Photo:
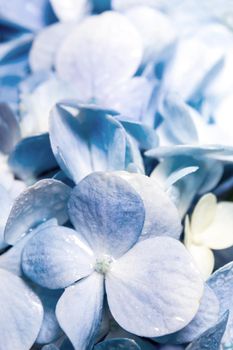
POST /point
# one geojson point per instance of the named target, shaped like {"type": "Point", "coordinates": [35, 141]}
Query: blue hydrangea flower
{"type": "Point", "coordinates": [102, 253]}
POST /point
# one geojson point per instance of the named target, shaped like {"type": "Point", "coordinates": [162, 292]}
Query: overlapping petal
{"type": "Point", "coordinates": [90, 141]}
{"type": "Point", "coordinates": [158, 222]}
{"type": "Point", "coordinates": [155, 288]}
{"type": "Point", "coordinates": [45, 200]}
{"type": "Point", "coordinates": [114, 50]}
{"type": "Point", "coordinates": [108, 213]}
{"type": "Point", "coordinates": [211, 339]}
{"type": "Point", "coordinates": [79, 311]}
{"type": "Point", "coordinates": [56, 257]}
{"type": "Point", "coordinates": [206, 317]}
{"type": "Point", "coordinates": [21, 313]}
{"type": "Point", "coordinates": [221, 283]}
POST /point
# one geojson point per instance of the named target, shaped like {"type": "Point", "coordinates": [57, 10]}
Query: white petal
{"type": "Point", "coordinates": [69, 10]}
{"type": "Point", "coordinates": [101, 53]}
{"type": "Point", "coordinates": [35, 120]}
{"type": "Point", "coordinates": [156, 29]}
{"type": "Point", "coordinates": [45, 45]}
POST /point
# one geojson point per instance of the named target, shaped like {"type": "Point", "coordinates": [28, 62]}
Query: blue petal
{"type": "Point", "coordinates": [107, 212]}
{"type": "Point", "coordinates": [21, 313]}
{"type": "Point", "coordinates": [158, 222]}
{"type": "Point", "coordinates": [5, 204]}
{"type": "Point", "coordinates": [155, 288]}
{"type": "Point", "coordinates": [144, 135]}
{"type": "Point", "coordinates": [202, 151]}
{"type": "Point", "coordinates": [221, 282]}
{"type": "Point", "coordinates": [55, 258]}
{"type": "Point", "coordinates": [50, 329]}
{"type": "Point", "coordinates": [115, 344]}
{"type": "Point", "coordinates": [10, 76]}
{"type": "Point", "coordinates": [11, 259]}
{"type": "Point", "coordinates": [50, 347]}
{"type": "Point", "coordinates": [79, 311]}
{"type": "Point", "coordinates": [26, 14]}
{"type": "Point", "coordinates": [206, 317]}
{"type": "Point", "coordinates": [101, 5]}
{"type": "Point", "coordinates": [11, 50]}
{"type": "Point", "coordinates": [116, 332]}
{"type": "Point", "coordinates": [210, 339]}
{"type": "Point", "coordinates": [32, 157]}
{"type": "Point", "coordinates": [178, 120]}
{"type": "Point", "coordinates": [171, 347]}
{"type": "Point", "coordinates": [114, 48]}
{"type": "Point", "coordinates": [91, 141]}
{"type": "Point", "coordinates": [131, 98]}
{"type": "Point", "coordinates": [212, 178]}
{"type": "Point", "coordinates": [9, 129]}
{"type": "Point", "coordinates": [45, 200]}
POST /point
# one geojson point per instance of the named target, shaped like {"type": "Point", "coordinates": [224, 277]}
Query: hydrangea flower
{"type": "Point", "coordinates": [109, 216]}
{"type": "Point", "coordinates": [210, 228]}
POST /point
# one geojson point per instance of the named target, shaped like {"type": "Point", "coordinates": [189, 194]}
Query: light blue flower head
{"type": "Point", "coordinates": [152, 286]}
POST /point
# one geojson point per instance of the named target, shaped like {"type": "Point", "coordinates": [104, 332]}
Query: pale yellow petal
{"type": "Point", "coordinates": [219, 234]}
{"type": "Point", "coordinates": [203, 213]}
{"type": "Point", "coordinates": [204, 259]}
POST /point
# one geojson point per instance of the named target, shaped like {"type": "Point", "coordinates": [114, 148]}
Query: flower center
{"type": "Point", "coordinates": [103, 263]}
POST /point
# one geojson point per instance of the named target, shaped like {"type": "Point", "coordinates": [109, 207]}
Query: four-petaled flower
{"type": "Point", "coordinates": [152, 286]}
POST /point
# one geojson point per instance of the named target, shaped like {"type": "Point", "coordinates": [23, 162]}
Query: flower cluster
{"type": "Point", "coordinates": [116, 175]}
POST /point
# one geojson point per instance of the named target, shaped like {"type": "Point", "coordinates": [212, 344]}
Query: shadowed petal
{"type": "Point", "coordinates": [50, 329]}
{"type": "Point", "coordinates": [91, 141]}
{"type": "Point", "coordinates": [115, 344]}
{"type": "Point", "coordinates": [221, 282]}
{"type": "Point", "coordinates": [26, 14]}
{"type": "Point", "coordinates": [22, 159]}
{"type": "Point", "coordinates": [79, 311]}
{"type": "Point", "coordinates": [9, 129]}
{"type": "Point", "coordinates": [210, 339]}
